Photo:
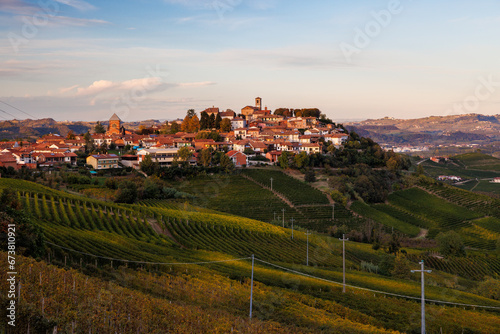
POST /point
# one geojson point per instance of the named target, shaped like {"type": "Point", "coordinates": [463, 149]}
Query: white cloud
{"type": "Point", "coordinates": [107, 87]}
{"type": "Point", "coordinates": [73, 21]}
{"type": "Point", "coordinates": [78, 4]}
{"type": "Point", "coordinates": [196, 84]}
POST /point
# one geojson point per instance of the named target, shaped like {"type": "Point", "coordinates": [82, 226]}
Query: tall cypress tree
{"type": "Point", "coordinates": [204, 121]}
{"type": "Point", "coordinates": [218, 120]}
{"type": "Point", "coordinates": [212, 121]}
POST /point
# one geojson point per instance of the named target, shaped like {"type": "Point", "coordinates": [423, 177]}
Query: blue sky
{"type": "Point", "coordinates": [85, 60]}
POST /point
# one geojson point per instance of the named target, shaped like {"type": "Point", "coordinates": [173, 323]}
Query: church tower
{"type": "Point", "coordinates": [258, 103]}
{"type": "Point", "coordinates": [114, 125]}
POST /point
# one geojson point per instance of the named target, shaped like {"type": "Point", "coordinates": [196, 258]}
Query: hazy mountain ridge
{"type": "Point", "coordinates": [432, 130]}
{"type": "Point", "coordinates": [29, 128]}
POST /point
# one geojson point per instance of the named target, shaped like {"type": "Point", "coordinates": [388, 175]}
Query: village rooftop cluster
{"type": "Point", "coordinates": [256, 135]}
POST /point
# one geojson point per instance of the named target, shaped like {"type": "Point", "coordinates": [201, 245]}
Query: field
{"type": "Point", "coordinates": [478, 161]}
{"type": "Point", "coordinates": [127, 255]}
{"type": "Point", "coordinates": [409, 210]}
{"type": "Point", "coordinates": [237, 195]}
{"type": "Point", "coordinates": [475, 168]}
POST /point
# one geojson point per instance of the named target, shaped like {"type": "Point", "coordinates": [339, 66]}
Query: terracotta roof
{"type": "Point", "coordinates": [105, 156]}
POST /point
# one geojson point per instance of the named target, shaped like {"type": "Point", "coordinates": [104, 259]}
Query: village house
{"type": "Point", "coordinates": [310, 148]}
{"type": "Point", "coordinates": [336, 139]}
{"type": "Point", "coordinates": [273, 156]}
{"type": "Point", "coordinates": [103, 161]}
{"type": "Point", "coordinates": [8, 160]}
{"type": "Point", "coordinates": [238, 123]}
{"type": "Point", "coordinates": [239, 159]}
{"type": "Point", "coordinates": [52, 159]}
{"type": "Point", "coordinates": [229, 114]}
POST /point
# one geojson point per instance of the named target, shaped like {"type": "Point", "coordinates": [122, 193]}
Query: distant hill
{"type": "Point", "coordinates": [28, 128]}
{"type": "Point", "coordinates": [467, 128]}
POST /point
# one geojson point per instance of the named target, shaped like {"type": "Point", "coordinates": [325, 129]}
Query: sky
{"type": "Point", "coordinates": [154, 59]}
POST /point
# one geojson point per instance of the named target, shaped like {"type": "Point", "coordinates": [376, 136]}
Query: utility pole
{"type": "Point", "coordinates": [271, 184]}
{"type": "Point", "coordinates": [343, 260]}
{"type": "Point", "coordinates": [251, 289]}
{"type": "Point", "coordinates": [283, 217]}
{"type": "Point", "coordinates": [423, 292]}
{"type": "Point", "coordinates": [292, 227]}
{"type": "Point", "coordinates": [307, 252]}
{"type": "Point", "coordinates": [274, 215]}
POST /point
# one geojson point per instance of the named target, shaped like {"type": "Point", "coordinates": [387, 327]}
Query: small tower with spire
{"type": "Point", "coordinates": [114, 125]}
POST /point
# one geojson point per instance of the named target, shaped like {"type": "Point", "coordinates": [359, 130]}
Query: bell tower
{"type": "Point", "coordinates": [114, 125]}
{"type": "Point", "coordinates": [258, 103]}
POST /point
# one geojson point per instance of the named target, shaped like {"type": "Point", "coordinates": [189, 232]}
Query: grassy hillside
{"type": "Point", "coordinates": [478, 161]}
{"type": "Point", "coordinates": [119, 252]}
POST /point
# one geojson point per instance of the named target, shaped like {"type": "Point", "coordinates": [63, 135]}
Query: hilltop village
{"type": "Point", "coordinates": [254, 136]}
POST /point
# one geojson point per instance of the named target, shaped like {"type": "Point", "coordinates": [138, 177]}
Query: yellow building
{"type": "Point", "coordinates": [103, 161]}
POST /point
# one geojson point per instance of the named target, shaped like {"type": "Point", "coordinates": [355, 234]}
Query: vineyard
{"type": "Point", "coordinates": [299, 193]}
{"type": "Point", "coordinates": [454, 209]}
{"type": "Point", "coordinates": [478, 161]}
{"type": "Point", "coordinates": [242, 197]}
{"type": "Point", "coordinates": [125, 245]}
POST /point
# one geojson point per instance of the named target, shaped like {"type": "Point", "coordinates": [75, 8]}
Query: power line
{"type": "Point", "coordinates": [24, 112]}
{"type": "Point", "coordinates": [14, 117]}
{"type": "Point", "coordinates": [146, 262]}
{"type": "Point", "coordinates": [377, 291]}
{"type": "Point", "coordinates": [286, 269]}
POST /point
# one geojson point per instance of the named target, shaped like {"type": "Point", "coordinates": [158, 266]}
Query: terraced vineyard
{"type": "Point", "coordinates": [478, 161]}
{"type": "Point", "coordinates": [475, 268]}
{"type": "Point", "coordinates": [241, 242]}
{"type": "Point", "coordinates": [159, 231]}
{"type": "Point", "coordinates": [299, 193]}
{"type": "Point", "coordinates": [461, 211]}
{"type": "Point", "coordinates": [373, 212]}
{"type": "Point", "coordinates": [485, 205]}
{"type": "Point", "coordinates": [239, 196]}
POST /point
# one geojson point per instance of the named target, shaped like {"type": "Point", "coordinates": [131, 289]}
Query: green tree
{"type": "Point", "coordinates": [104, 147]}
{"type": "Point", "coordinates": [420, 170]}
{"type": "Point", "coordinates": [127, 192]}
{"type": "Point", "coordinates": [190, 113]}
{"type": "Point", "coordinates": [225, 163]}
{"type": "Point", "coordinates": [450, 244]}
{"type": "Point", "coordinates": [99, 128]}
{"type": "Point", "coordinates": [394, 244]}
{"type": "Point", "coordinates": [489, 288]}
{"type": "Point", "coordinates": [212, 121]}
{"type": "Point", "coordinates": [401, 268]}
{"type": "Point", "coordinates": [225, 125]}
{"type": "Point", "coordinates": [301, 160]}
{"type": "Point", "coordinates": [205, 157]}
{"type": "Point", "coordinates": [204, 121]}
{"type": "Point", "coordinates": [174, 128]}
{"type": "Point", "coordinates": [284, 160]}
{"type": "Point", "coordinates": [184, 154]}
{"type": "Point", "coordinates": [218, 120]}
{"type": "Point", "coordinates": [149, 166]}
{"type": "Point", "coordinates": [310, 175]}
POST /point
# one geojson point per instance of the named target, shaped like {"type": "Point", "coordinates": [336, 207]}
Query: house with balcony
{"type": "Point", "coordinates": [103, 161]}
